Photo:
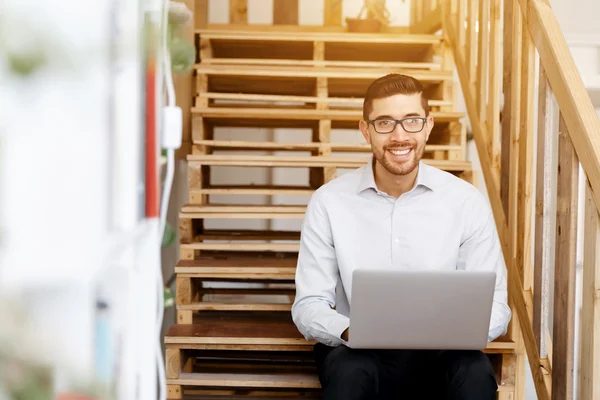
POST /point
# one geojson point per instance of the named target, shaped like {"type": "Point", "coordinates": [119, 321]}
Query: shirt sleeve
{"type": "Point", "coordinates": [317, 276]}
{"type": "Point", "coordinates": [481, 250]}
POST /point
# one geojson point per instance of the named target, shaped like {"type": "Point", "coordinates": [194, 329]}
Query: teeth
{"type": "Point", "coordinates": [400, 152]}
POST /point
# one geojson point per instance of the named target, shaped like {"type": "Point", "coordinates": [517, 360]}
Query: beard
{"type": "Point", "coordinates": [399, 167]}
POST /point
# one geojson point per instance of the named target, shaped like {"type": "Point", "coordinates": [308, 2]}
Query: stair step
{"type": "Point", "coordinates": [345, 83]}
{"type": "Point", "coordinates": [242, 116]}
{"type": "Point", "coordinates": [249, 380]}
{"type": "Point", "coordinates": [238, 268]}
{"type": "Point", "coordinates": [252, 190]}
{"type": "Point", "coordinates": [339, 49]}
{"type": "Point", "coordinates": [310, 161]}
{"type": "Point", "coordinates": [253, 333]}
{"type": "Point", "coordinates": [285, 146]}
{"type": "Point", "coordinates": [223, 211]}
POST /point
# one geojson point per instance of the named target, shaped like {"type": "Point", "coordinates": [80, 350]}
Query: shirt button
{"type": "Point", "coordinates": [397, 240]}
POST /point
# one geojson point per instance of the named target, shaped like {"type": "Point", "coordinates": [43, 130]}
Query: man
{"type": "Point", "coordinates": [395, 212]}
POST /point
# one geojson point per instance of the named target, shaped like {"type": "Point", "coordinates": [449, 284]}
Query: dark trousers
{"type": "Point", "coordinates": [352, 374]}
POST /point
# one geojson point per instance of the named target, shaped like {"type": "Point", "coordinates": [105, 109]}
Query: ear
{"type": "Point", "coordinates": [364, 129]}
{"type": "Point", "coordinates": [429, 127]}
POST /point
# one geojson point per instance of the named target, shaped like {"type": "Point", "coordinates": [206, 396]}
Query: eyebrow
{"type": "Point", "coordinates": [390, 117]}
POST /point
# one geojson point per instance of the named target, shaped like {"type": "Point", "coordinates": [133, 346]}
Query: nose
{"type": "Point", "coordinates": [399, 134]}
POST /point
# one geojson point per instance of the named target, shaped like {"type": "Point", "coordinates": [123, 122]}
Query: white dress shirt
{"type": "Point", "coordinates": [443, 223]}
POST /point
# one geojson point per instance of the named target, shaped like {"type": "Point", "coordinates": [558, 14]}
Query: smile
{"type": "Point", "coordinates": [400, 152]}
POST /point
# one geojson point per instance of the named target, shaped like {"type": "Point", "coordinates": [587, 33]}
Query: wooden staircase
{"type": "Point", "coordinates": [234, 335]}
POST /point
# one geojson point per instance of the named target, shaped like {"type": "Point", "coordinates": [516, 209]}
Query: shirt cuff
{"type": "Point", "coordinates": [338, 325]}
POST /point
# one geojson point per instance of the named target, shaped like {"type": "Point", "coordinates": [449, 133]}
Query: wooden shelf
{"type": "Point", "coordinates": [233, 266]}
{"type": "Point", "coordinates": [218, 211]}
{"type": "Point", "coordinates": [310, 161]}
{"type": "Point", "coordinates": [336, 82]}
{"type": "Point", "coordinates": [249, 380]}
{"type": "Point", "coordinates": [232, 114]}
{"type": "Point", "coordinates": [285, 146]}
{"type": "Point", "coordinates": [245, 43]}
{"type": "Point", "coordinates": [252, 190]}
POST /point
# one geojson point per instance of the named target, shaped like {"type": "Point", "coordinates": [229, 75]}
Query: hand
{"type": "Point", "coordinates": [345, 335]}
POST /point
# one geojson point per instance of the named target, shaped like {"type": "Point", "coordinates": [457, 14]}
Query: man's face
{"type": "Point", "coordinates": [398, 150]}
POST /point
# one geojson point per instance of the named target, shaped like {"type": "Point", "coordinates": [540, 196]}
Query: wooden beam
{"type": "Point", "coordinates": [589, 386]}
{"type": "Point", "coordinates": [544, 240]}
{"type": "Point", "coordinates": [566, 82]}
{"type": "Point", "coordinates": [333, 13]}
{"type": "Point", "coordinates": [183, 83]}
{"type": "Point", "coordinates": [238, 11]}
{"type": "Point", "coordinates": [200, 14]}
{"type": "Point", "coordinates": [525, 181]}
{"type": "Point", "coordinates": [285, 12]}
{"type": "Point", "coordinates": [495, 81]}
{"type": "Point", "coordinates": [564, 270]}
{"type": "Point", "coordinates": [506, 111]}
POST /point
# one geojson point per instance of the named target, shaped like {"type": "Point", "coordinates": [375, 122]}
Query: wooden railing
{"type": "Point", "coordinates": [531, 152]}
{"type": "Point", "coordinates": [426, 16]}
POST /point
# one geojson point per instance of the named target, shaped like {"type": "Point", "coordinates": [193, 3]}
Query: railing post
{"type": "Point", "coordinates": [545, 216]}
{"type": "Point", "coordinates": [563, 332]}
{"type": "Point", "coordinates": [589, 386]}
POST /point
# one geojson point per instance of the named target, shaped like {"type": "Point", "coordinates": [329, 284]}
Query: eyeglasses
{"type": "Point", "coordinates": [387, 125]}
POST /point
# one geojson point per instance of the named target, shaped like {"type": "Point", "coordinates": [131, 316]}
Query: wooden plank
{"type": "Point", "coordinates": [183, 88]}
{"type": "Point", "coordinates": [215, 306]}
{"type": "Point", "coordinates": [285, 12]}
{"type": "Point", "coordinates": [471, 60]}
{"type": "Point", "coordinates": [302, 114]}
{"type": "Point", "coordinates": [430, 24]}
{"type": "Point", "coordinates": [242, 246]}
{"type": "Point", "coordinates": [174, 392]}
{"type": "Point", "coordinates": [323, 63]}
{"type": "Point", "coordinates": [525, 169]}
{"type": "Point", "coordinates": [506, 111]}
{"type": "Point", "coordinates": [239, 208]}
{"type": "Point", "coordinates": [200, 14]}
{"type": "Point", "coordinates": [247, 34]}
{"type": "Point", "coordinates": [292, 146]}
{"type": "Point", "coordinates": [294, 381]}
{"type": "Point", "coordinates": [482, 58]}
{"type": "Point", "coordinates": [250, 190]}
{"type": "Point", "coordinates": [566, 82]}
{"type": "Point", "coordinates": [589, 386]}
{"type": "Point", "coordinates": [315, 161]}
{"type": "Point", "coordinates": [238, 11]}
{"type": "Point", "coordinates": [424, 76]}
{"type": "Point", "coordinates": [544, 240]}
{"type": "Point", "coordinates": [333, 13]}
{"type": "Point", "coordinates": [565, 263]}
{"type": "Point", "coordinates": [495, 81]}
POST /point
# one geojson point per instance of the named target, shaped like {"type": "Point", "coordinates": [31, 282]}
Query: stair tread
{"type": "Point", "coordinates": [243, 208]}
{"type": "Point", "coordinates": [352, 115]}
{"type": "Point", "coordinates": [255, 331]}
{"type": "Point", "coordinates": [325, 161]}
{"type": "Point", "coordinates": [424, 76]}
{"type": "Point", "coordinates": [266, 380]}
{"type": "Point", "coordinates": [243, 331]}
{"type": "Point", "coordinates": [306, 36]}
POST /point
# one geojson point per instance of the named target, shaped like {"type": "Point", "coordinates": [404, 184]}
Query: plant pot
{"type": "Point", "coordinates": [363, 25]}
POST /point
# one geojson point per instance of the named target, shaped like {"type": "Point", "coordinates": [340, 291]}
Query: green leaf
{"type": "Point", "coordinates": [169, 300]}
{"type": "Point", "coordinates": [168, 235]}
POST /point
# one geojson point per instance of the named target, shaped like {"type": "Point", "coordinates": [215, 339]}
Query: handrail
{"type": "Point", "coordinates": [565, 140]}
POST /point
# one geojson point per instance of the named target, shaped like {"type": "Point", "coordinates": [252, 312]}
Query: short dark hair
{"type": "Point", "coordinates": [391, 85]}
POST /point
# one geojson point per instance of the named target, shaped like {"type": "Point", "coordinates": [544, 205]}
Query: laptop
{"type": "Point", "coordinates": [421, 309]}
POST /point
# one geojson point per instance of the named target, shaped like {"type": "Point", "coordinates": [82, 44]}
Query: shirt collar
{"type": "Point", "coordinates": [367, 181]}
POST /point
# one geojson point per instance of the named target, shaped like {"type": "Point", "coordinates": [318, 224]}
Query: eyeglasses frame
{"type": "Point", "coordinates": [399, 121]}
